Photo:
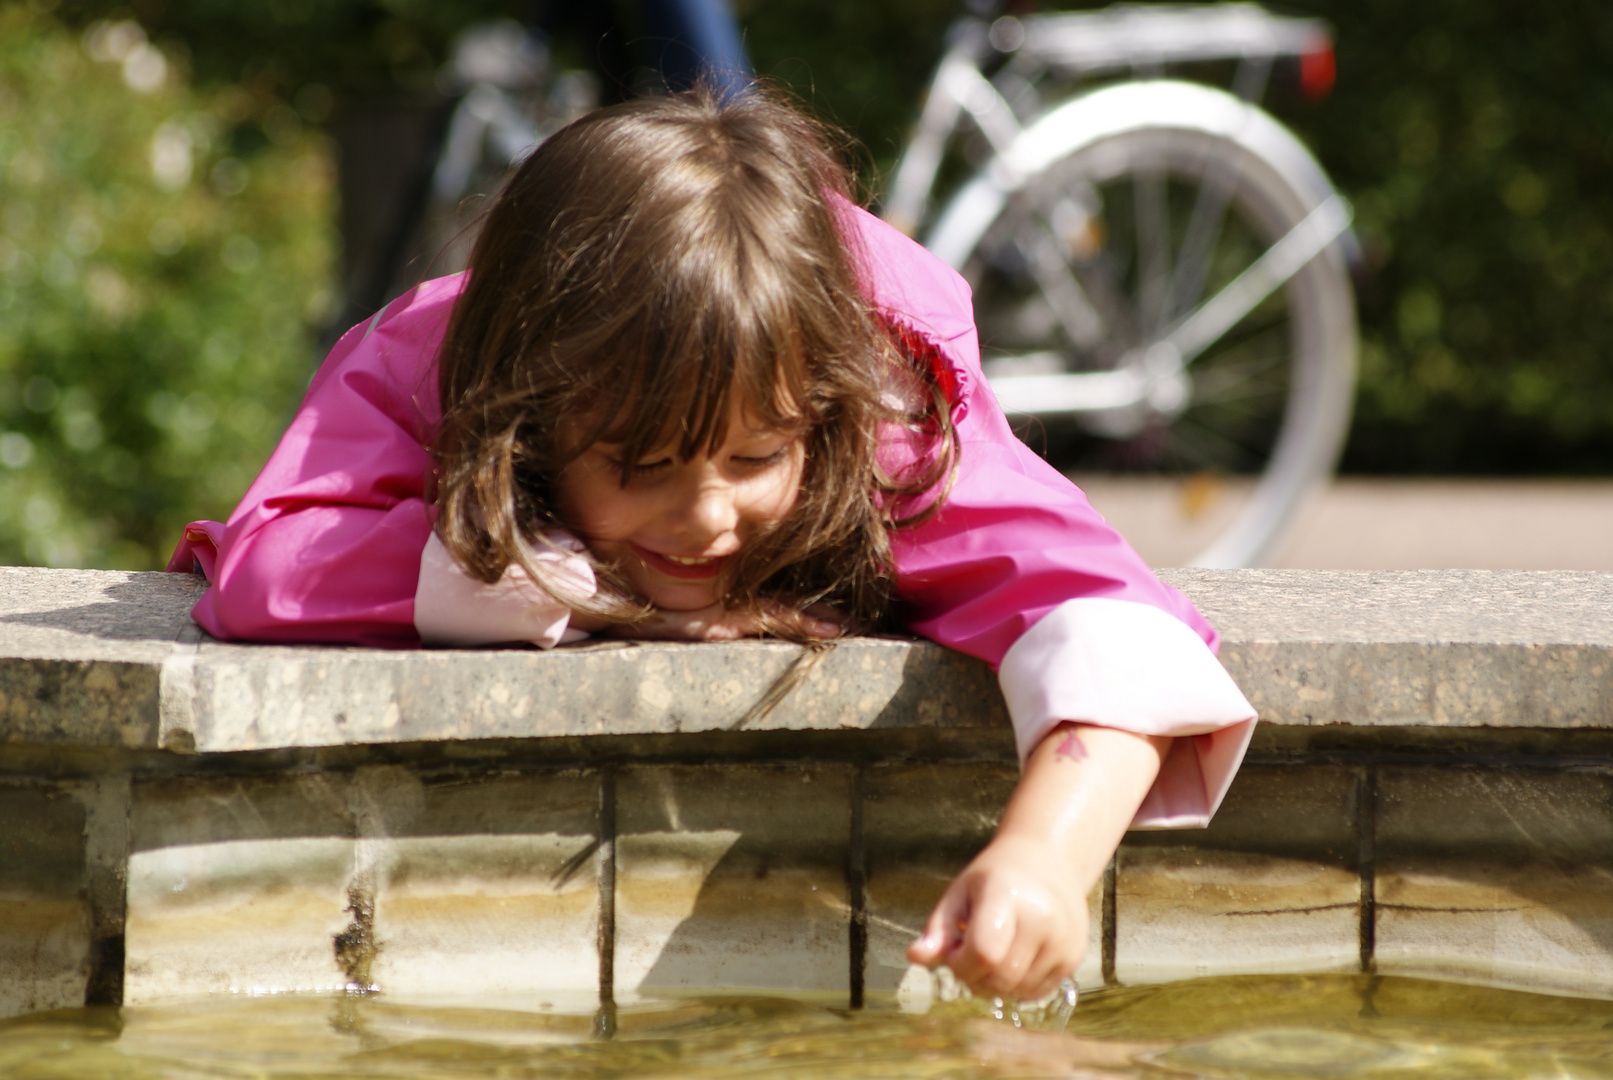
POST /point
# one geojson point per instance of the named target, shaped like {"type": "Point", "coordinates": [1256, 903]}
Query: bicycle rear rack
{"type": "Point", "coordinates": [1132, 37]}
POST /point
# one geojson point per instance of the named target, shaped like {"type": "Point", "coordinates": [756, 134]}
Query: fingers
{"type": "Point", "coordinates": [1030, 968]}
{"type": "Point", "coordinates": [998, 941]}
{"type": "Point", "coordinates": [1050, 968]}
{"type": "Point", "coordinates": [818, 621]}
{"type": "Point", "coordinates": [1013, 977]}
{"type": "Point", "coordinates": [716, 623]}
{"type": "Point", "coordinates": [986, 959]}
{"type": "Point", "coordinates": [942, 932]}
{"type": "Point", "coordinates": [707, 624]}
{"type": "Point", "coordinates": [830, 621]}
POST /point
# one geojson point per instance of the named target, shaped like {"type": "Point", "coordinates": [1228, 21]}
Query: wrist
{"type": "Point", "coordinates": [1080, 791]}
{"type": "Point", "coordinates": [1050, 854]}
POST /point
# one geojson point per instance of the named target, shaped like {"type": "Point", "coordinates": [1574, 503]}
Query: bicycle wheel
{"type": "Point", "coordinates": [1112, 223]}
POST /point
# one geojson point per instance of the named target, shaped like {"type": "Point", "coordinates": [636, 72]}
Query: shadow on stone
{"type": "Point", "coordinates": [733, 881]}
{"type": "Point", "coordinates": [147, 607]}
{"type": "Point", "coordinates": [942, 688]}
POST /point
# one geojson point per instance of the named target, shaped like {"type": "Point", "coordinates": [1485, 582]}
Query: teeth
{"type": "Point", "coordinates": [687, 560]}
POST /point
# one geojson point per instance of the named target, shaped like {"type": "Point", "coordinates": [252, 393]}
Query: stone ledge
{"type": "Point", "coordinates": [109, 659]}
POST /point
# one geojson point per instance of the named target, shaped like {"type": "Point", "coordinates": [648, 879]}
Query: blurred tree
{"type": "Point", "coordinates": [163, 254]}
{"type": "Point", "coordinates": [1477, 142]}
{"type": "Point", "coordinates": [283, 47]}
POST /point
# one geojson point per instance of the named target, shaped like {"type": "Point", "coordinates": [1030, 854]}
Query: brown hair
{"type": "Point", "coordinates": [642, 266]}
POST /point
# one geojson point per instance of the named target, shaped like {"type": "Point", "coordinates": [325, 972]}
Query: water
{"type": "Point", "coordinates": [1250, 1027]}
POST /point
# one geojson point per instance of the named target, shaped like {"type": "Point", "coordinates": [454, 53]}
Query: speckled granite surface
{"type": "Point", "coordinates": [97, 658]}
{"type": "Point", "coordinates": [1489, 607]}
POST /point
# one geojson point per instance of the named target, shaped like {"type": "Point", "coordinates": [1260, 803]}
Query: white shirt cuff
{"type": "Point", "coordinates": [1121, 664]}
{"type": "Point", "coordinates": [452, 608]}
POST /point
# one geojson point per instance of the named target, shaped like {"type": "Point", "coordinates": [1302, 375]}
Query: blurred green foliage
{"type": "Point", "coordinates": [154, 334]}
{"type": "Point", "coordinates": [159, 273]}
{"type": "Point", "coordinates": [1476, 139]}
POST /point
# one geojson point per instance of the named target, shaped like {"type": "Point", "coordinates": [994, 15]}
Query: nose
{"type": "Point", "coordinates": [709, 513]}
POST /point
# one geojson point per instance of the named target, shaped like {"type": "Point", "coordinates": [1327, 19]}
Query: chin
{"type": "Point", "coordinates": [680, 599]}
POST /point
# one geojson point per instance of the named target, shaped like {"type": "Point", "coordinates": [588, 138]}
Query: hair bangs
{"type": "Point", "coordinates": [715, 327]}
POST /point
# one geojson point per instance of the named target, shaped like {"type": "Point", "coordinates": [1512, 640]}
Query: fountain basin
{"type": "Point", "coordinates": [1429, 794]}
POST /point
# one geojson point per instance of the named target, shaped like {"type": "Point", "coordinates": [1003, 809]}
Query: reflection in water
{"type": "Point", "coordinates": [1255, 1027]}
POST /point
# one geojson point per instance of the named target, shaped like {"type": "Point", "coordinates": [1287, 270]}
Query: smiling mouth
{"type": "Point", "coordinates": [681, 566]}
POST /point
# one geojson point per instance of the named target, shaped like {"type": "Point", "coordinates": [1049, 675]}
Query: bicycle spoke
{"type": "Point", "coordinates": [1232, 387]}
{"type": "Point", "coordinates": [1246, 404]}
{"type": "Point", "coordinates": [1242, 334]}
{"type": "Point", "coordinates": [1231, 450]}
{"type": "Point", "coordinates": [1221, 312]}
{"type": "Point", "coordinates": [1102, 281]}
{"type": "Point", "coordinates": [1187, 449]}
{"type": "Point", "coordinates": [1240, 386]}
{"type": "Point", "coordinates": [1198, 243]}
{"type": "Point", "coordinates": [1152, 219]}
{"type": "Point", "coordinates": [1044, 254]}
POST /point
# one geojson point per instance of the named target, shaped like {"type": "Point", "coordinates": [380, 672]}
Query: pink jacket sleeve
{"type": "Point", "coordinates": [326, 544]}
{"type": "Point", "coordinates": [1018, 569]}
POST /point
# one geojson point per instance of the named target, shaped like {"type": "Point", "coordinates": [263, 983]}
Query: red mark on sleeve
{"type": "Point", "coordinates": [1072, 748]}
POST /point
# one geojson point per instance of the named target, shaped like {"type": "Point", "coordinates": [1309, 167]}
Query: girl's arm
{"type": "Point", "coordinates": [326, 545]}
{"type": "Point", "coordinates": [1016, 568]}
{"type": "Point", "coordinates": [1015, 921]}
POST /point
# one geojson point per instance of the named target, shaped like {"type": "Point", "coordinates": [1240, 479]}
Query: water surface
{"type": "Point", "coordinates": [1256, 1027]}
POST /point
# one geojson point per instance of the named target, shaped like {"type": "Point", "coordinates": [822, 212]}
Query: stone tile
{"type": "Point", "coordinates": [921, 825]}
{"type": "Point", "coordinates": [1537, 813]}
{"type": "Point", "coordinates": [1496, 876]}
{"type": "Point", "coordinates": [236, 697]}
{"type": "Point", "coordinates": [732, 877]}
{"type": "Point", "coordinates": [44, 912]}
{"type": "Point", "coordinates": [493, 888]}
{"type": "Point", "coordinates": [237, 885]}
{"type": "Point", "coordinates": [1271, 886]}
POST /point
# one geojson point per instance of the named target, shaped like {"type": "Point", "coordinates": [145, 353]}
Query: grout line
{"type": "Point", "coordinates": [1443, 760]}
{"type": "Point", "coordinates": [605, 1019]}
{"type": "Point", "coordinates": [1366, 828]}
{"type": "Point", "coordinates": [857, 888]}
{"type": "Point", "coordinates": [1107, 929]}
{"type": "Point", "coordinates": [107, 803]}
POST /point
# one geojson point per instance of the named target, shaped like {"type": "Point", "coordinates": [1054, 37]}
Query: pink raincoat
{"type": "Point", "coordinates": [334, 543]}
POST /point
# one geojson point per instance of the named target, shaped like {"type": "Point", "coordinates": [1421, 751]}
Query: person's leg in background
{"type": "Point", "coordinates": [697, 37]}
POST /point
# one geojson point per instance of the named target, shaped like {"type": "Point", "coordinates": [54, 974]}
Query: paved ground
{"type": "Point", "coordinates": [1360, 524]}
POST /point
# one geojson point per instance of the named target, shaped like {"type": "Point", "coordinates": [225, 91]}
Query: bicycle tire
{"type": "Point", "coordinates": [1189, 135]}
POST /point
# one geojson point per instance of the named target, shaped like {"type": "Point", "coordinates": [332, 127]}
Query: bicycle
{"type": "Point", "coordinates": [1157, 260]}
{"type": "Point", "coordinates": [502, 94]}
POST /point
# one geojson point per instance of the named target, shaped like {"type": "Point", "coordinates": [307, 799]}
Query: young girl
{"type": "Point", "coordinates": [687, 389]}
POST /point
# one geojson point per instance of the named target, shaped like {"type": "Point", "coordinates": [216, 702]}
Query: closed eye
{"type": "Point", "coordinates": [763, 462]}
{"type": "Point", "coordinates": [640, 469]}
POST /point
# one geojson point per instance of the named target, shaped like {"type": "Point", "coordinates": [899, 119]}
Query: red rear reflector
{"type": "Point", "coordinates": [1316, 73]}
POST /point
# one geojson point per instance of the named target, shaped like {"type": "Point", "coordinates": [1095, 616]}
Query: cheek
{"type": "Point", "coordinates": [587, 503]}
{"type": "Point", "coordinates": [775, 496]}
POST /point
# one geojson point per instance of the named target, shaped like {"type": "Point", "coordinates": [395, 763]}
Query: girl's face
{"type": "Point", "coordinates": [673, 525]}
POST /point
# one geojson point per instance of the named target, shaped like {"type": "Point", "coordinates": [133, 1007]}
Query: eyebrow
{"type": "Point", "coordinates": [793, 431]}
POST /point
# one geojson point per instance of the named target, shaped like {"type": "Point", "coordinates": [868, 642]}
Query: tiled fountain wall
{"type": "Point", "coordinates": [1431, 792]}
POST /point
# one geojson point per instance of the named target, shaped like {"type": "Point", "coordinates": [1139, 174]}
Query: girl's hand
{"type": "Point", "coordinates": [1014, 923]}
{"type": "Point", "coordinates": [717, 623]}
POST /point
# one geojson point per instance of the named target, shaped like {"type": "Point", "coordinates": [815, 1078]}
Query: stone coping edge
{"type": "Point", "coordinates": [112, 659]}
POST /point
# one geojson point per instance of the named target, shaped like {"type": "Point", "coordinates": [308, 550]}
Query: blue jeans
{"type": "Point", "coordinates": [694, 38]}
